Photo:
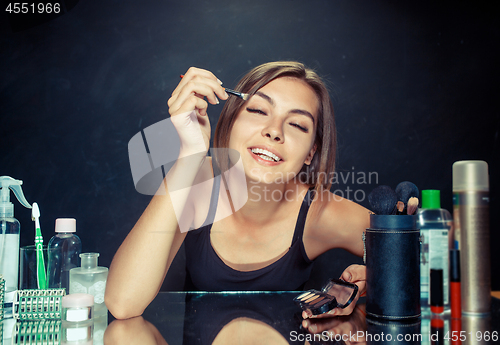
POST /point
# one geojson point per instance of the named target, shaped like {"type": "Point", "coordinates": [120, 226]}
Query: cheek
{"type": "Point", "coordinates": [242, 129]}
{"type": "Point", "coordinates": [302, 146]}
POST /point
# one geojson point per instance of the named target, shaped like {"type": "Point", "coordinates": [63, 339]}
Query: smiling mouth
{"type": "Point", "coordinates": [266, 155]}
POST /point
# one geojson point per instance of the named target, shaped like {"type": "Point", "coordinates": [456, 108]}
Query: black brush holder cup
{"type": "Point", "coordinates": [392, 245]}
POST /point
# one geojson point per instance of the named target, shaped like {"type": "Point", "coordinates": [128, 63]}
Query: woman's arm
{"type": "Point", "coordinates": [141, 263]}
{"type": "Point", "coordinates": [335, 222]}
{"type": "Point", "coordinates": [133, 331]}
{"type": "Point", "coordinates": [338, 223]}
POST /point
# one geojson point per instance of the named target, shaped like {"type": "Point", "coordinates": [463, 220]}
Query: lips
{"type": "Point", "coordinates": [266, 154]}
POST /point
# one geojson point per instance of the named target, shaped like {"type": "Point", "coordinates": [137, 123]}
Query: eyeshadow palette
{"type": "Point", "coordinates": [337, 293]}
{"type": "Point", "coordinates": [316, 301]}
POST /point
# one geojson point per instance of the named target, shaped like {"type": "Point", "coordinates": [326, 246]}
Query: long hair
{"type": "Point", "coordinates": [323, 163]}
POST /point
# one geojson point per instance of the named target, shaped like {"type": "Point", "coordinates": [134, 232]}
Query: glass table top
{"type": "Point", "coordinates": [259, 318]}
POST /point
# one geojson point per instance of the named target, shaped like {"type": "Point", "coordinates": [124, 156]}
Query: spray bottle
{"type": "Point", "coordinates": [9, 237]}
{"type": "Point", "coordinates": [472, 213]}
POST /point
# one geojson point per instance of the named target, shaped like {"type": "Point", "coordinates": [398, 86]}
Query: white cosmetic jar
{"type": "Point", "coordinates": [78, 307]}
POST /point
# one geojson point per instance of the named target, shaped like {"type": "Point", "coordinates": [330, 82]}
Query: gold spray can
{"type": "Point", "coordinates": [471, 214]}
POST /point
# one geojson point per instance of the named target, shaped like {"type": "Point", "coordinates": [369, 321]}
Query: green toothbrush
{"type": "Point", "coordinates": [40, 261]}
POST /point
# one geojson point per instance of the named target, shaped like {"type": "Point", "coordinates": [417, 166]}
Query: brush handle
{"type": "Point", "coordinates": [235, 93]}
{"type": "Point", "coordinates": [40, 261]}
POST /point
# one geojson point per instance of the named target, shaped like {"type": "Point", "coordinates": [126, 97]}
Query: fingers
{"type": "Point", "coordinates": [187, 103]}
{"type": "Point", "coordinates": [318, 326]}
{"type": "Point", "coordinates": [197, 73]}
{"type": "Point", "coordinates": [329, 314]}
{"type": "Point", "coordinates": [335, 326]}
{"type": "Point", "coordinates": [354, 273]}
{"type": "Point", "coordinates": [197, 84]}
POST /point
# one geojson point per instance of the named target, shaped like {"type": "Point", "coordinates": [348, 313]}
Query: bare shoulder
{"type": "Point", "coordinates": [335, 212]}
{"type": "Point", "coordinates": [335, 222]}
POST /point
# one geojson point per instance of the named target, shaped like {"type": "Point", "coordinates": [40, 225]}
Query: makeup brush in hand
{"type": "Point", "coordinates": [243, 96]}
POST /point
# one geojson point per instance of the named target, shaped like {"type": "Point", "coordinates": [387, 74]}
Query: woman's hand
{"type": "Point", "coordinates": [351, 329]}
{"type": "Point", "coordinates": [188, 108]}
{"type": "Point", "coordinates": [353, 274]}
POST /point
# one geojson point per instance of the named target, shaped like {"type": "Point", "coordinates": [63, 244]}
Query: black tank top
{"type": "Point", "coordinates": [207, 272]}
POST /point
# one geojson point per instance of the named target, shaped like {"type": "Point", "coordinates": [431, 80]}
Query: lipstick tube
{"type": "Point", "coordinates": [436, 291]}
{"type": "Point", "coordinates": [455, 295]}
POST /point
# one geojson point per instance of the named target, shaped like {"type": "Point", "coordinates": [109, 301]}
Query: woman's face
{"type": "Point", "coordinates": [275, 130]}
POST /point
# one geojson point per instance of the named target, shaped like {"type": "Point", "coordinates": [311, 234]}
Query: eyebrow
{"type": "Point", "coordinates": [295, 111]}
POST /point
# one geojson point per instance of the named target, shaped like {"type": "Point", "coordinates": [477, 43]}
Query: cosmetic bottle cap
{"type": "Point", "coordinates": [65, 225]}
{"type": "Point", "coordinates": [75, 300]}
{"type": "Point", "coordinates": [454, 265]}
{"type": "Point", "coordinates": [471, 176]}
{"type": "Point", "coordinates": [431, 198]}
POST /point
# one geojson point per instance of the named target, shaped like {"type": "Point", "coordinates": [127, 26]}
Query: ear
{"type": "Point", "coordinates": [310, 155]}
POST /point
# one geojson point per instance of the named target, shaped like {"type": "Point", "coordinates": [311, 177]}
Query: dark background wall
{"type": "Point", "coordinates": [414, 85]}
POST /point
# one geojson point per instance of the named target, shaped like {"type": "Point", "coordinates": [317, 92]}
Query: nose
{"type": "Point", "coordinates": [274, 132]}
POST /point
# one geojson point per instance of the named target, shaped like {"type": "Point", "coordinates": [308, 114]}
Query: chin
{"type": "Point", "coordinates": [257, 175]}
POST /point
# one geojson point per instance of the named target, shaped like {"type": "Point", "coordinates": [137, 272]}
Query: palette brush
{"type": "Point", "coordinates": [243, 96]}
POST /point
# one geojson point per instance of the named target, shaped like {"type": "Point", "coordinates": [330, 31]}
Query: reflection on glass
{"type": "Point", "coordinates": [273, 318]}
{"type": "Point", "coordinates": [393, 332]}
{"type": "Point", "coordinates": [478, 330]}
{"type": "Point", "coordinates": [238, 318]}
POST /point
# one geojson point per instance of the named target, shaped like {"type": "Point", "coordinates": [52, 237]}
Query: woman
{"type": "Point", "coordinates": [285, 136]}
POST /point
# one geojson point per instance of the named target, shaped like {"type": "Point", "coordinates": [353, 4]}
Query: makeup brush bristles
{"type": "Point", "coordinates": [406, 190]}
{"type": "Point", "coordinates": [404, 200]}
{"type": "Point", "coordinates": [243, 96]}
{"type": "Point", "coordinates": [382, 200]}
{"type": "Point", "coordinates": [412, 206]}
{"type": "Point", "coordinates": [400, 206]}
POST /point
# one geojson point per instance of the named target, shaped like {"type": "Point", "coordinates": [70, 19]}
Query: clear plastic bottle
{"type": "Point", "coordinates": [435, 226]}
{"type": "Point", "coordinates": [9, 238]}
{"type": "Point", "coordinates": [64, 253]}
{"type": "Point", "coordinates": [91, 279]}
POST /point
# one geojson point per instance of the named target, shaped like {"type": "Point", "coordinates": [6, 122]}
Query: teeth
{"type": "Point", "coordinates": [264, 154]}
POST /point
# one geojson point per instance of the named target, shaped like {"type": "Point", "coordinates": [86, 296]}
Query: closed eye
{"type": "Point", "coordinates": [257, 111]}
{"type": "Point", "coordinates": [302, 128]}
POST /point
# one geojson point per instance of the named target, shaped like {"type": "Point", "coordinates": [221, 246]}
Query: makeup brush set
{"type": "Point", "coordinates": [402, 201]}
{"type": "Point", "coordinates": [392, 253]}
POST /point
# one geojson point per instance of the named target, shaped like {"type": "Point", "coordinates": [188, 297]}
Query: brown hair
{"type": "Point", "coordinates": [323, 162]}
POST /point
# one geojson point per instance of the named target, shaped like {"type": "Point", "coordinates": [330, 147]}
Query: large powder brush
{"type": "Point", "coordinates": [383, 200]}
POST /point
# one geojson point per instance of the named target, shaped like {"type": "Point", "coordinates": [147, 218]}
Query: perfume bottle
{"type": "Point", "coordinates": [90, 279]}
